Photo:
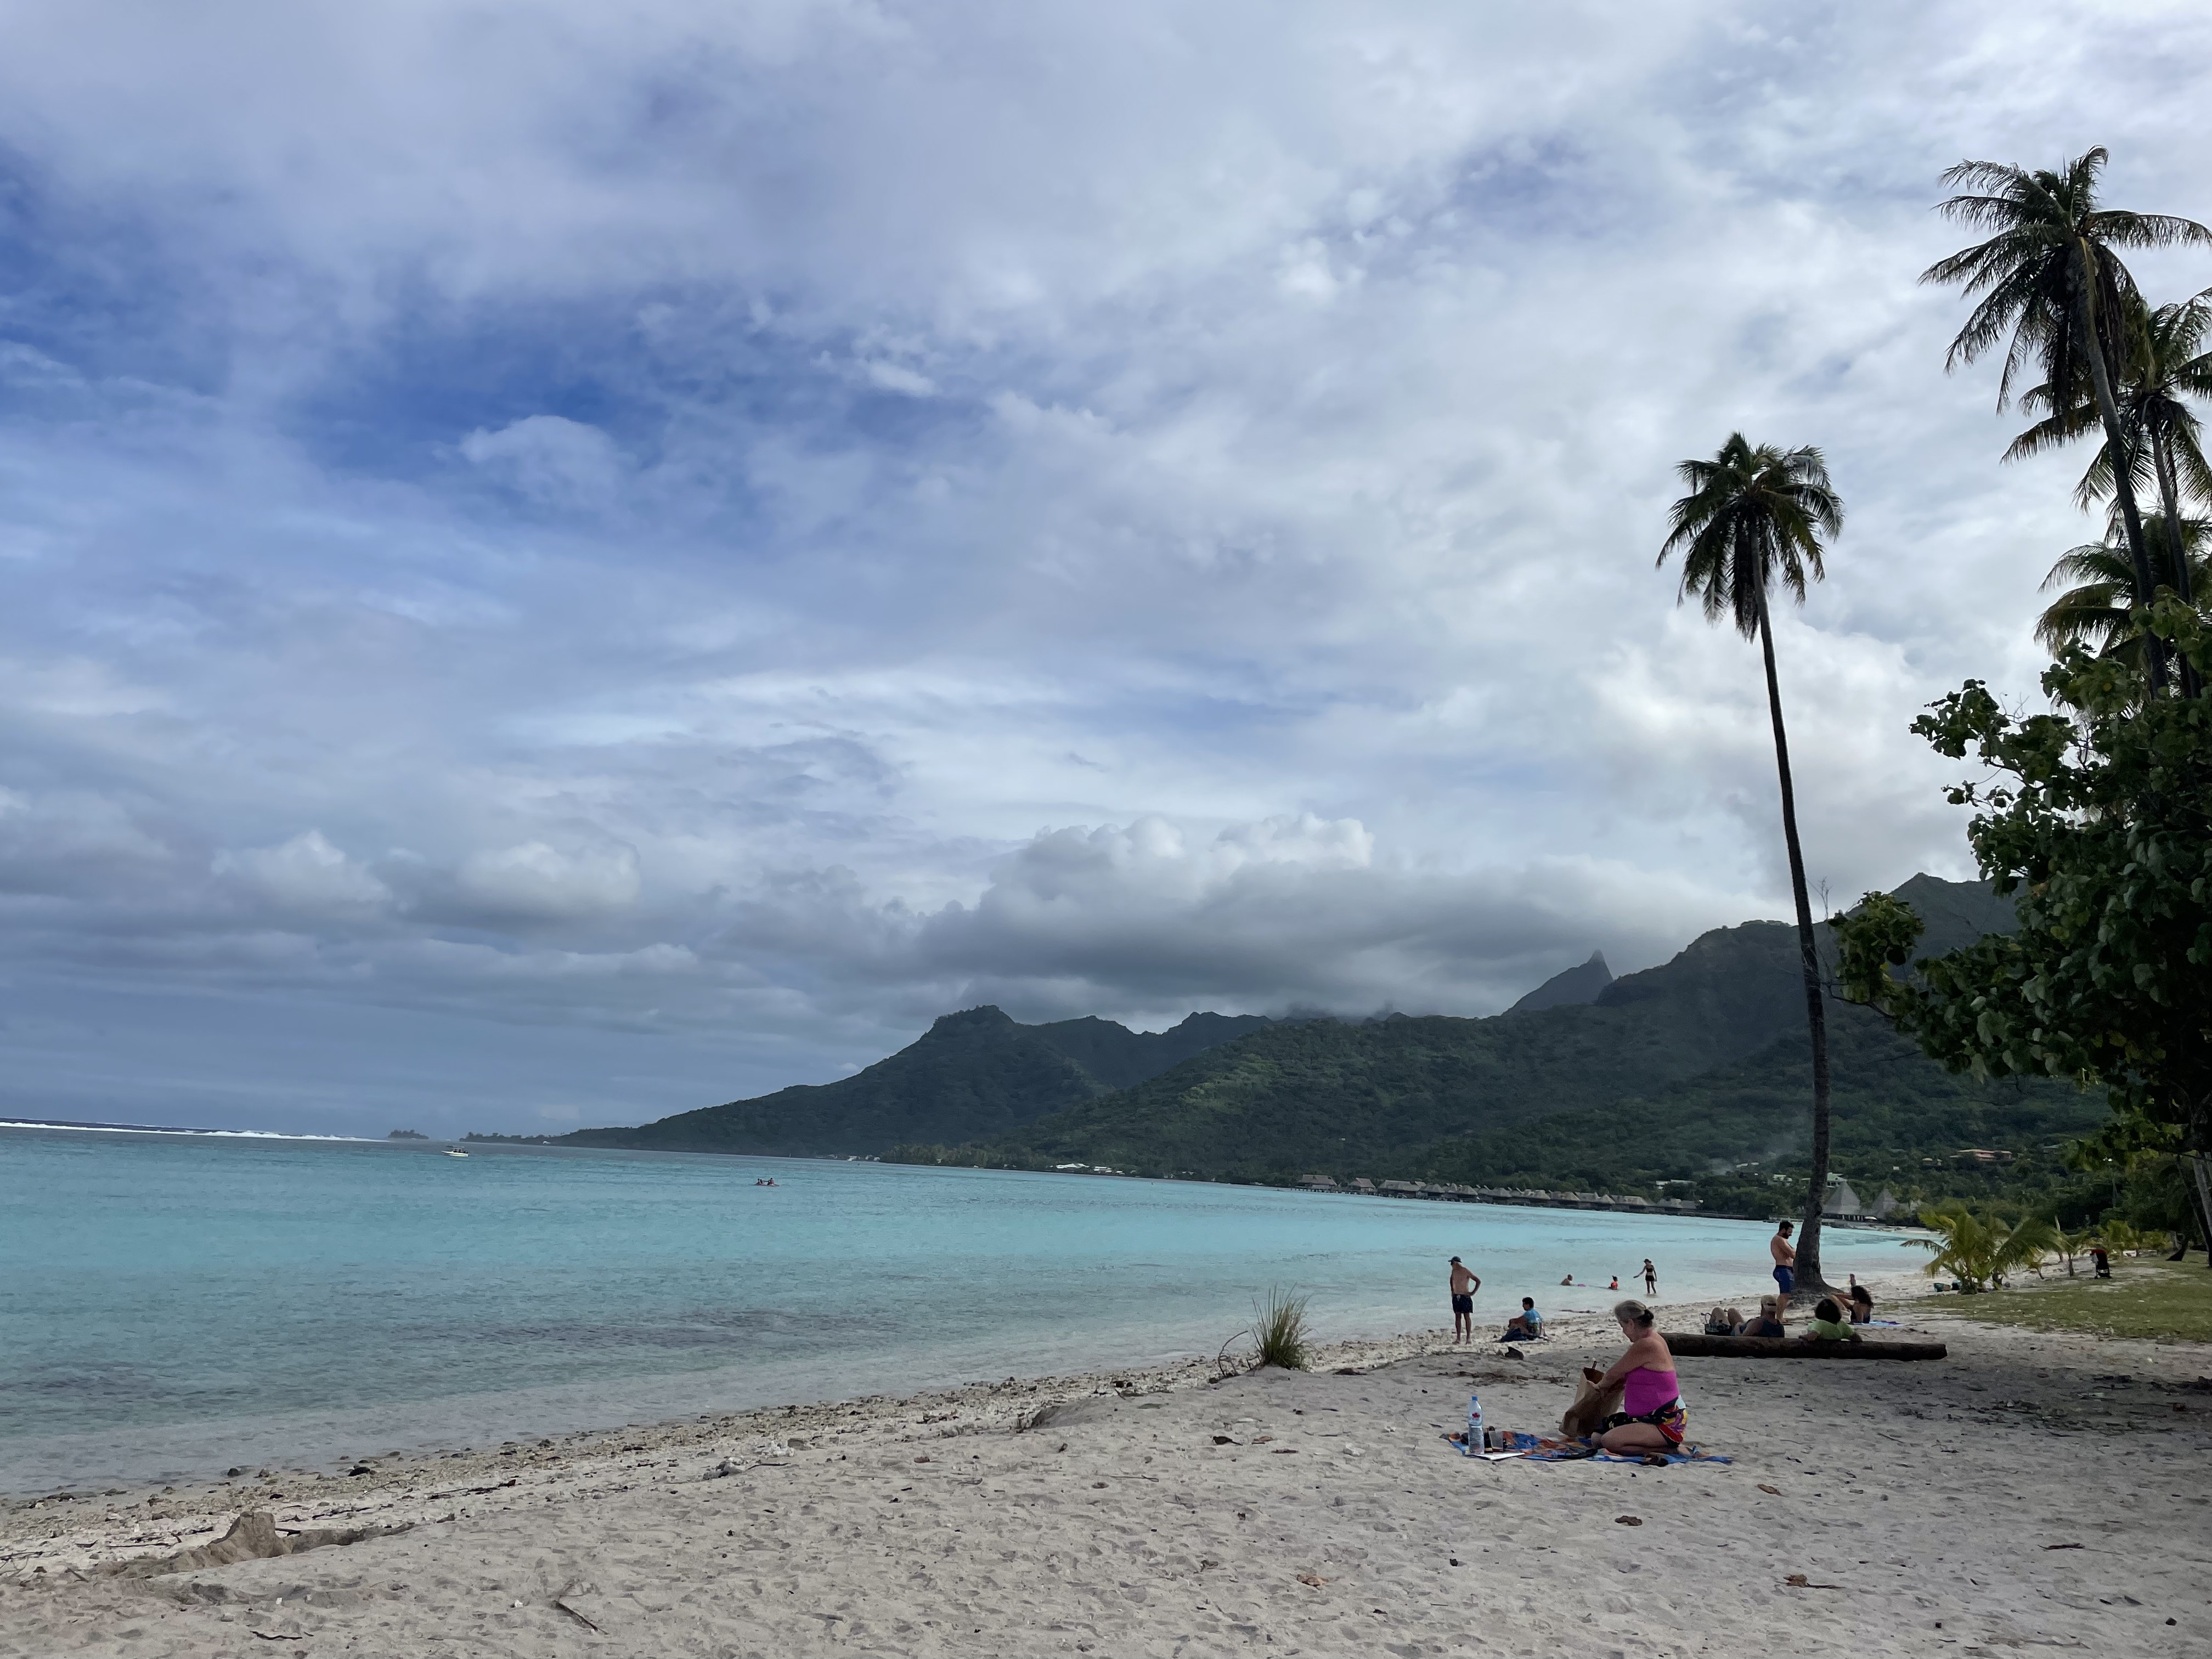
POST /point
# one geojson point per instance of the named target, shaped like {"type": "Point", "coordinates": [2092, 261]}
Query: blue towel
{"type": "Point", "coordinates": [1537, 1449]}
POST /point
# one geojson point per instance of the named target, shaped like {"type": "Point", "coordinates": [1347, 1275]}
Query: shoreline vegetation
{"type": "Point", "coordinates": [1155, 1504]}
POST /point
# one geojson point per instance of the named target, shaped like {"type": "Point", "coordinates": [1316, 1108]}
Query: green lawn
{"type": "Point", "coordinates": [2162, 1299]}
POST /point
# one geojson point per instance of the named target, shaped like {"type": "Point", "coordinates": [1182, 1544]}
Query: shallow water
{"type": "Point", "coordinates": [174, 1304]}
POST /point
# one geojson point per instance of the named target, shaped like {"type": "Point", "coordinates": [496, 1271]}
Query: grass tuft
{"type": "Point", "coordinates": [1278, 1325]}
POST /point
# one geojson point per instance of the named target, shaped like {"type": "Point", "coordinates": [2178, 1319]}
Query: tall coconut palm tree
{"type": "Point", "coordinates": [2167, 364]}
{"type": "Point", "coordinates": [2098, 595]}
{"type": "Point", "coordinates": [1754, 518]}
{"type": "Point", "coordinates": [2050, 278]}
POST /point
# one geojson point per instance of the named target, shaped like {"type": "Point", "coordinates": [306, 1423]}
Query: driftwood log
{"type": "Point", "coordinates": [1698, 1346]}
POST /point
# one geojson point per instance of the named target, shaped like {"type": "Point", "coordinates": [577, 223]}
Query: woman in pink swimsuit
{"type": "Point", "coordinates": [1650, 1416]}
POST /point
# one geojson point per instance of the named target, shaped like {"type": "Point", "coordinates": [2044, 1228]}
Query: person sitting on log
{"type": "Point", "coordinates": [1769, 1322]}
{"type": "Point", "coordinates": [1828, 1323]}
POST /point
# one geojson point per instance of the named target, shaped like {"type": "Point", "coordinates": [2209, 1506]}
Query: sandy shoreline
{"type": "Point", "coordinates": [1151, 1511]}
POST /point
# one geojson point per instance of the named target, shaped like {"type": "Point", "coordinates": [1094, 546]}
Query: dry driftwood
{"type": "Point", "coordinates": [1697, 1346]}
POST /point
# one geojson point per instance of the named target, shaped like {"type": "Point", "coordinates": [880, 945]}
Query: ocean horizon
{"type": "Point", "coordinates": [183, 1301]}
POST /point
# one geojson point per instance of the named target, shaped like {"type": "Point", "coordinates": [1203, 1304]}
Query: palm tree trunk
{"type": "Point", "coordinates": [2203, 1200]}
{"type": "Point", "coordinates": [2108, 409]}
{"type": "Point", "coordinates": [2169, 496]}
{"type": "Point", "coordinates": [1808, 1236]}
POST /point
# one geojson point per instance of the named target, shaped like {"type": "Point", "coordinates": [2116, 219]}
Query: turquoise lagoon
{"type": "Point", "coordinates": [172, 1305]}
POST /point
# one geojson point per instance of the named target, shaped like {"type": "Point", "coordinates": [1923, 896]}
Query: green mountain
{"type": "Point", "coordinates": [972, 1076]}
{"type": "Point", "coordinates": [1695, 1073]}
{"type": "Point", "coordinates": [1679, 1072]}
{"type": "Point", "coordinates": [1362, 1099]}
{"type": "Point", "coordinates": [1899, 1121]}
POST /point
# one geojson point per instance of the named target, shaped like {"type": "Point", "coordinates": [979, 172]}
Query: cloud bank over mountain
{"type": "Point", "coordinates": [562, 564]}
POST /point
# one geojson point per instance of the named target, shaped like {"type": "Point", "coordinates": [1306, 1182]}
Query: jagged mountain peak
{"type": "Point", "coordinates": [1583, 982]}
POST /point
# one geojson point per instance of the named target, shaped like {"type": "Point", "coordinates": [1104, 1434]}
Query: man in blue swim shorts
{"type": "Point", "coordinates": [1785, 1261]}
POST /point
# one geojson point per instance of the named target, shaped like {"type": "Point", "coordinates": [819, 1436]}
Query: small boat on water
{"type": "Point", "coordinates": [455, 1152]}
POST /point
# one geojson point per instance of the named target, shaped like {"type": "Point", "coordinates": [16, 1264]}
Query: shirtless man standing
{"type": "Point", "coordinates": [1785, 1261]}
{"type": "Point", "coordinates": [1464, 1284]}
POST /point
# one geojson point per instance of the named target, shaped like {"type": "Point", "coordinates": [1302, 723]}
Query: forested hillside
{"type": "Point", "coordinates": [1696, 1071]}
{"type": "Point", "coordinates": [972, 1075]}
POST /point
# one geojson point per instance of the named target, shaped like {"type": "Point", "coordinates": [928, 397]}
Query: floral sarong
{"type": "Point", "coordinates": [1669, 1419]}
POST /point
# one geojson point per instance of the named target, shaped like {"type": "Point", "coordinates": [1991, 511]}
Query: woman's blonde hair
{"type": "Point", "coordinates": [1634, 1313]}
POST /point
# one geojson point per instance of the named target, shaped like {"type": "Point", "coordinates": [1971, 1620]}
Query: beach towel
{"type": "Point", "coordinates": [1536, 1448]}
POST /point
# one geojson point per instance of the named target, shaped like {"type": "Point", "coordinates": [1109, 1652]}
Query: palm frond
{"type": "Point", "coordinates": [2119, 228]}
{"type": "Point", "coordinates": [1752, 519]}
{"type": "Point", "coordinates": [2096, 609]}
{"type": "Point", "coordinates": [2049, 263]}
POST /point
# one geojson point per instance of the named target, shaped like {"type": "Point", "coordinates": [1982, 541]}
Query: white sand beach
{"type": "Point", "coordinates": [2030, 1492]}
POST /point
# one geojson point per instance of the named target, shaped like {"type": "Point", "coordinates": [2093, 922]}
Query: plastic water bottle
{"type": "Point", "coordinates": [1474, 1426]}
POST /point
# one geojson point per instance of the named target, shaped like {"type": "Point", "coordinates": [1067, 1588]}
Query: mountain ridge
{"type": "Point", "coordinates": [1583, 982]}
{"type": "Point", "coordinates": [1619, 1068]}
{"type": "Point", "coordinates": [973, 1074]}
{"type": "Point", "coordinates": [1718, 1026]}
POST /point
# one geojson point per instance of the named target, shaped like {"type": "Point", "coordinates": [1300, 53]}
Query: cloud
{"type": "Point", "coordinates": [1146, 921]}
{"type": "Point", "coordinates": [555, 545]}
{"type": "Point", "coordinates": [535, 882]}
{"type": "Point", "coordinates": [306, 875]}
{"type": "Point", "coordinates": [73, 842]}
{"type": "Point", "coordinates": [549, 458]}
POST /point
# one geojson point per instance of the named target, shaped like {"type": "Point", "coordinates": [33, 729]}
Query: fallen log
{"type": "Point", "coordinates": [1698, 1346]}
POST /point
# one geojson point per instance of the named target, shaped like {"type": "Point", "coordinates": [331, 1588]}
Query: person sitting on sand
{"type": "Point", "coordinates": [1650, 1416]}
{"type": "Point", "coordinates": [1862, 1307]}
{"type": "Point", "coordinates": [1769, 1322]}
{"type": "Point", "coordinates": [1828, 1323]}
{"type": "Point", "coordinates": [1526, 1326]}
{"type": "Point", "coordinates": [1717, 1323]}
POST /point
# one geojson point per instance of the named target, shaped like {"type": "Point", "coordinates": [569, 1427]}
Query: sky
{"type": "Point", "coordinates": [562, 563]}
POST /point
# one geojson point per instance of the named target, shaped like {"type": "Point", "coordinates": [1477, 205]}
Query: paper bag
{"type": "Point", "coordinates": [1593, 1404]}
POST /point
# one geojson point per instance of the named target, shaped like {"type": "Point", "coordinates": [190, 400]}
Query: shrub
{"type": "Point", "coordinates": [1978, 1251]}
{"type": "Point", "coordinates": [2134, 1241]}
{"type": "Point", "coordinates": [1278, 1325]}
